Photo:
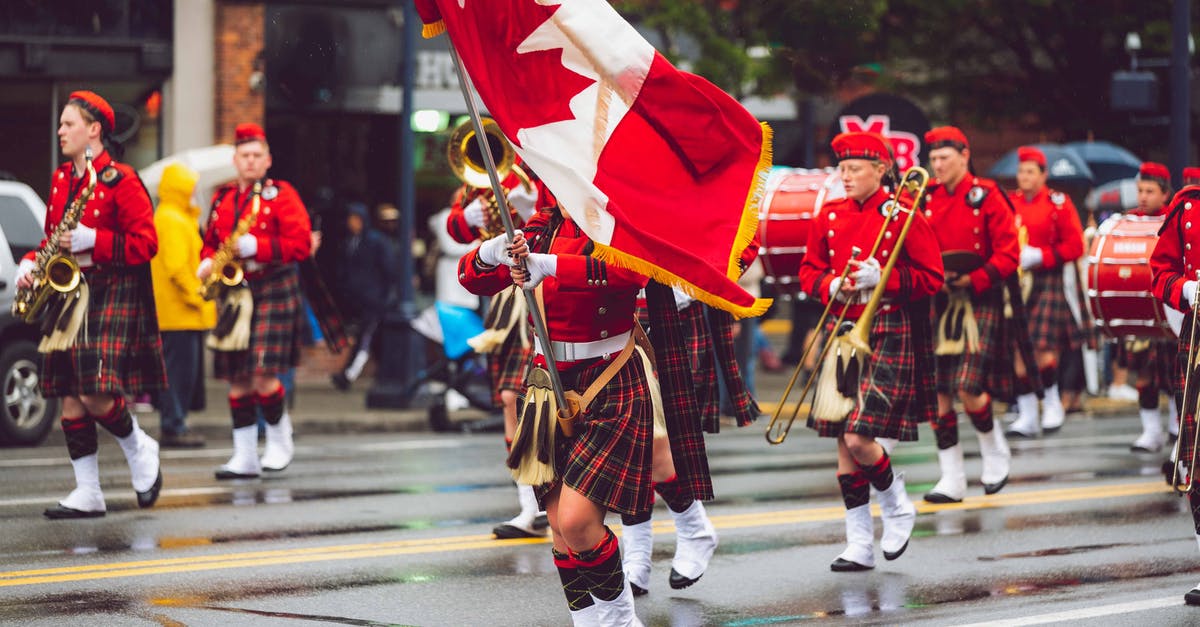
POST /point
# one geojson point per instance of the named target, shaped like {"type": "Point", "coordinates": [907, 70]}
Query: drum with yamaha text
{"type": "Point", "coordinates": [1118, 277]}
{"type": "Point", "coordinates": [793, 198]}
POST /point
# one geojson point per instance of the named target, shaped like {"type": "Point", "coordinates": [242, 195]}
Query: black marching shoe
{"type": "Point", "coordinates": [841, 565]}
{"type": "Point", "coordinates": [637, 590]}
{"type": "Point", "coordinates": [938, 497]}
{"type": "Point", "coordinates": [150, 497]}
{"type": "Point", "coordinates": [992, 488]}
{"type": "Point", "coordinates": [679, 582]}
{"type": "Point", "coordinates": [61, 512]}
{"type": "Point", "coordinates": [1193, 596]}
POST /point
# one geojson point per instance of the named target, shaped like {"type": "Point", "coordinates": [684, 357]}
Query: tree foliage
{"type": "Point", "coordinates": [1042, 62]}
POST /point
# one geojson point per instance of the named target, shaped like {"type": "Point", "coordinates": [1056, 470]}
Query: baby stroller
{"type": "Point", "coordinates": [456, 373]}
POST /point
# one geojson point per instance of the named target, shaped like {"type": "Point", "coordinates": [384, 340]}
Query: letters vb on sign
{"type": "Point", "coordinates": [907, 146]}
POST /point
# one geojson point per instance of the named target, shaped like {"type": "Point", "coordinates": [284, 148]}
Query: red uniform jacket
{"type": "Point", "coordinates": [463, 233]}
{"type": "Point", "coordinates": [282, 228]}
{"type": "Point", "coordinates": [975, 218]}
{"type": "Point", "coordinates": [1176, 256]}
{"type": "Point", "coordinates": [119, 209]}
{"type": "Point", "coordinates": [587, 300]}
{"type": "Point", "coordinates": [1052, 224]}
{"type": "Point", "coordinates": [844, 223]}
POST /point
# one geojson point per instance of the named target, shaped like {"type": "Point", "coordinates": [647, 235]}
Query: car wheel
{"type": "Point", "coordinates": [25, 416]}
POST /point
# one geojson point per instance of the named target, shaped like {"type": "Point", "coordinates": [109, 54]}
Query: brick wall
{"type": "Point", "coordinates": [239, 31]}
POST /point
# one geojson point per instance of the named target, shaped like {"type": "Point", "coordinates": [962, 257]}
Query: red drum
{"type": "Point", "coordinates": [1119, 280]}
{"type": "Point", "coordinates": [793, 197]}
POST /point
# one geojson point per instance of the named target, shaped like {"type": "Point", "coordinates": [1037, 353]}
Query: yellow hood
{"type": "Point", "coordinates": [176, 187]}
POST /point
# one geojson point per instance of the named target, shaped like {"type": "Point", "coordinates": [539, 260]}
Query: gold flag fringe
{"type": "Point", "coordinates": [429, 31]}
{"type": "Point", "coordinates": [754, 199]}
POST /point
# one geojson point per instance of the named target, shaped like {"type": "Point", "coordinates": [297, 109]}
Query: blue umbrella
{"type": "Point", "coordinates": [1108, 161]}
{"type": "Point", "coordinates": [1064, 166]}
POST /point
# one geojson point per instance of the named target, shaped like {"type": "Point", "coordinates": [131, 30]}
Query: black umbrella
{"type": "Point", "coordinates": [1108, 161]}
{"type": "Point", "coordinates": [1064, 166]}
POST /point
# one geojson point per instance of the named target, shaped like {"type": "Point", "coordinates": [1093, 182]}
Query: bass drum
{"type": "Point", "coordinates": [1119, 280]}
{"type": "Point", "coordinates": [793, 198]}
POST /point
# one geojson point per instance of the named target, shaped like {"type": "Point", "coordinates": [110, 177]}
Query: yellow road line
{"type": "Point", "coordinates": [370, 550]}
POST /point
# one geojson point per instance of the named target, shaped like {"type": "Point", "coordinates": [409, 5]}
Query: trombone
{"type": "Point", "coordinates": [913, 182]}
{"type": "Point", "coordinates": [1183, 485]}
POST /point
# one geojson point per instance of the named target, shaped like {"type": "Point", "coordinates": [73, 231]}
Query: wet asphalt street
{"type": "Point", "coordinates": [395, 529]}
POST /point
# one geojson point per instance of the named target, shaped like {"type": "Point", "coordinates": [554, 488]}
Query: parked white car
{"type": "Point", "coordinates": [26, 417]}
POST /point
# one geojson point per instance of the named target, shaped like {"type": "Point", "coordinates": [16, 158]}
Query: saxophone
{"type": "Point", "coordinates": [225, 269]}
{"type": "Point", "coordinates": [56, 271]}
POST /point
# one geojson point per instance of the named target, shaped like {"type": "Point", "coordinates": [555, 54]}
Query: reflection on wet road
{"type": "Point", "coordinates": [367, 533]}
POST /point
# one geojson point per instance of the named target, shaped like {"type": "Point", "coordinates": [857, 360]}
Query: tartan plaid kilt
{"type": "Point", "coordinates": [1051, 325]}
{"type": "Point", "coordinates": [509, 364]}
{"type": "Point", "coordinates": [1159, 362]}
{"type": "Point", "coordinates": [274, 337]}
{"type": "Point", "coordinates": [608, 460]}
{"type": "Point", "coordinates": [983, 370]}
{"type": "Point", "coordinates": [888, 404]}
{"type": "Point", "coordinates": [1187, 424]}
{"type": "Point", "coordinates": [118, 351]}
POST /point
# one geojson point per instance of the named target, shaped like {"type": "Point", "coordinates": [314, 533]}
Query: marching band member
{"type": "Point", "coordinates": [268, 252]}
{"type": "Point", "coordinates": [706, 336]}
{"type": "Point", "coordinates": [1153, 360]}
{"type": "Point", "coordinates": [979, 246]}
{"type": "Point", "coordinates": [116, 352]}
{"type": "Point", "coordinates": [589, 313]}
{"type": "Point", "coordinates": [1174, 264]}
{"type": "Point", "coordinates": [509, 340]}
{"type": "Point", "coordinates": [894, 390]}
{"type": "Point", "coordinates": [1055, 239]}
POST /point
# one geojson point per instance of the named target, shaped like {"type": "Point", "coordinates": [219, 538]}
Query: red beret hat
{"type": "Point", "coordinates": [943, 136]}
{"type": "Point", "coordinates": [96, 106]}
{"type": "Point", "coordinates": [1154, 170]}
{"type": "Point", "coordinates": [1029, 153]}
{"type": "Point", "coordinates": [862, 146]}
{"type": "Point", "coordinates": [1191, 174]}
{"type": "Point", "coordinates": [249, 133]}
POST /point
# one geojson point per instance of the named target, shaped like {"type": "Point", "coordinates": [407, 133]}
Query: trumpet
{"type": "Point", "coordinates": [466, 161]}
{"type": "Point", "coordinates": [914, 182]}
{"type": "Point", "coordinates": [1183, 485]}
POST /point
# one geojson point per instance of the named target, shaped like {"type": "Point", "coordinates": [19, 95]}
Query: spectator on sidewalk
{"type": "Point", "coordinates": [183, 316]}
{"type": "Point", "coordinates": [367, 287]}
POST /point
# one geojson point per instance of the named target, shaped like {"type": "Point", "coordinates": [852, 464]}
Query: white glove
{"type": "Point", "coordinates": [867, 274]}
{"type": "Point", "coordinates": [523, 202]}
{"type": "Point", "coordinates": [27, 265]}
{"type": "Point", "coordinates": [682, 300]}
{"type": "Point", "coordinates": [204, 269]}
{"type": "Point", "coordinates": [835, 290]}
{"type": "Point", "coordinates": [1031, 257]}
{"type": "Point", "coordinates": [1189, 292]}
{"type": "Point", "coordinates": [539, 267]}
{"type": "Point", "coordinates": [247, 246]}
{"type": "Point", "coordinates": [83, 238]}
{"type": "Point", "coordinates": [494, 252]}
{"type": "Point", "coordinates": [473, 213]}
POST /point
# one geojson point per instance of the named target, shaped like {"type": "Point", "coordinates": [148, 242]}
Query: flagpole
{"type": "Point", "coordinates": [539, 325]}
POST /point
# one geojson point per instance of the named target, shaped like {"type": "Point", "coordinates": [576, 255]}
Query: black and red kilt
{"type": "Point", "coordinates": [889, 405]}
{"type": "Point", "coordinates": [1157, 362]}
{"type": "Point", "coordinates": [1052, 327]}
{"type": "Point", "coordinates": [1187, 424]}
{"type": "Point", "coordinates": [509, 364]}
{"type": "Point", "coordinates": [274, 328]}
{"type": "Point", "coordinates": [985, 369]}
{"type": "Point", "coordinates": [118, 350]}
{"type": "Point", "coordinates": [608, 460]}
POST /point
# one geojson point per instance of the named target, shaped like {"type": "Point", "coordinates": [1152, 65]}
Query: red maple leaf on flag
{"type": "Point", "coordinates": [515, 109]}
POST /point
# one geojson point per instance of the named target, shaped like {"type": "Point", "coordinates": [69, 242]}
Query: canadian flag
{"type": "Point", "coordinates": [662, 170]}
